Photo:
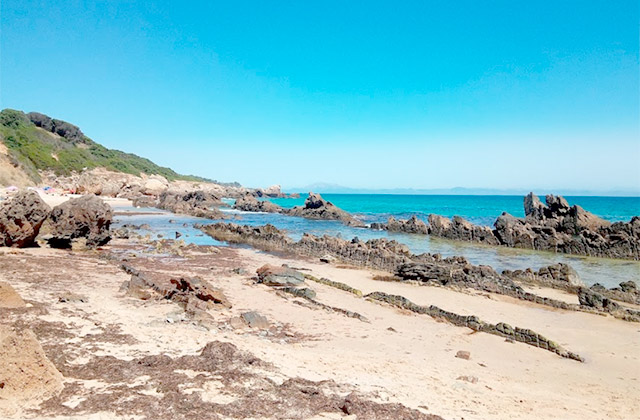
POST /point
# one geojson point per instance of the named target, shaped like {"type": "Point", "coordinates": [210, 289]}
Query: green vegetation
{"type": "Point", "coordinates": [35, 149]}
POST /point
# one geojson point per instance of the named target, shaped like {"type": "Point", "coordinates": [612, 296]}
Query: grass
{"type": "Point", "coordinates": [34, 149]}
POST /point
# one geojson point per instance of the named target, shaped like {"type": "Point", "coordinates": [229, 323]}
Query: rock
{"type": "Point", "coordinates": [316, 207]}
{"type": "Point", "coordinates": [136, 288]}
{"type": "Point", "coordinates": [27, 375]}
{"type": "Point", "coordinates": [592, 299]}
{"type": "Point", "coordinates": [533, 207]}
{"type": "Point", "coordinates": [327, 259]}
{"type": "Point", "coordinates": [628, 286]}
{"type": "Point", "coordinates": [411, 225]}
{"type": "Point", "coordinates": [279, 276]}
{"type": "Point", "coordinates": [250, 203]}
{"type": "Point", "coordinates": [470, 379]}
{"type": "Point", "coordinates": [273, 191]}
{"type": "Point", "coordinates": [85, 217]}
{"type": "Point", "coordinates": [513, 232]}
{"type": "Point", "coordinates": [178, 234]}
{"type": "Point", "coordinates": [463, 354]}
{"type": "Point", "coordinates": [196, 203]}
{"type": "Point", "coordinates": [154, 186]}
{"type": "Point", "coordinates": [21, 218]}
{"type": "Point", "coordinates": [255, 320]}
{"type": "Point", "coordinates": [70, 297]}
{"type": "Point", "coordinates": [200, 289]}
{"type": "Point", "coordinates": [460, 229]}
{"type": "Point", "coordinates": [144, 201]}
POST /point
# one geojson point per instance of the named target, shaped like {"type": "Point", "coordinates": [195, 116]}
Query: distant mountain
{"type": "Point", "coordinates": [34, 142]}
{"type": "Point", "coordinates": [326, 188]}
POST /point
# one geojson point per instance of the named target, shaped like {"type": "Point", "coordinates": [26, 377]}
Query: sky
{"type": "Point", "coordinates": [365, 94]}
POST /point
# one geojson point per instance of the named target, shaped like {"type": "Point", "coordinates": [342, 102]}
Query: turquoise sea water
{"type": "Point", "coordinates": [478, 209]}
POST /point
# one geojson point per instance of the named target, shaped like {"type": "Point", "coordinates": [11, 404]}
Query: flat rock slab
{"type": "Point", "coordinates": [279, 276]}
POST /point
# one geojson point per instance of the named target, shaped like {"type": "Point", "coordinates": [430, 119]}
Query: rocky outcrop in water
{"type": "Point", "coordinates": [554, 226]}
{"type": "Point", "coordinates": [557, 276]}
{"type": "Point", "coordinates": [394, 257]}
{"type": "Point", "coordinates": [250, 203]}
{"type": "Point", "coordinates": [316, 207]}
{"type": "Point", "coordinates": [411, 225]}
{"type": "Point", "coordinates": [196, 203]}
{"type": "Point", "coordinates": [559, 227]}
{"type": "Point", "coordinates": [21, 217]}
{"type": "Point", "coordinates": [86, 217]}
{"type": "Point", "coordinates": [460, 229]}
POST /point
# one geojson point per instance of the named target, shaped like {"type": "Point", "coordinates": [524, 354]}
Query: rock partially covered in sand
{"type": "Point", "coordinates": [316, 207]}
{"type": "Point", "coordinates": [254, 320]}
{"type": "Point", "coordinates": [279, 276]}
{"type": "Point", "coordinates": [85, 217]}
{"type": "Point", "coordinates": [250, 203]}
{"type": "Point", "coordinates": [27, 376]}
{"type": "Point", "coordinates": [21, 218]}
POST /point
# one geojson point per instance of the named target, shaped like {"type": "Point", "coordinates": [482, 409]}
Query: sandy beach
{"type": "Point", "coordinates": [396, 357]}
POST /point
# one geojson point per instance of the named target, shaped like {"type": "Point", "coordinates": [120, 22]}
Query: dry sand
{"type": "Point", "coordinates": [397, 356]}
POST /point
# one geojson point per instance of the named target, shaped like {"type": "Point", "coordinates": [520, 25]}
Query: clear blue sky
{"type": "Point", "coordinates": [425, 94]}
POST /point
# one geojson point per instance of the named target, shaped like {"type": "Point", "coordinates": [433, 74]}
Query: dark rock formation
{"type": "Point", "coordinates": [250, 203]}
{"type": "Point", "coordinates": [21, 218]}
{"type": "Point", "coordinates": [557, 276]}
{"type": "Point", "coordinates": [85, 217]}
{"type": "Point", "coordinates": [392, 256]}
{"type": "Point", "coordinates": [555, 226]}
{"type": "Point", "coordinates": [193, 203]}
{"type": "Point", "coordinates": [316, 207]}
{"type": "Point", "coordinates": [411, 225]}
{"type": "Point", "coordinates": [568, 229]}
{"type": "Point", "coordinates": [460, 229]}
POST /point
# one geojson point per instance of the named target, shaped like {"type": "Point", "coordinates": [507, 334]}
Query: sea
{"type": "Point", "coordinates": [478, 209]}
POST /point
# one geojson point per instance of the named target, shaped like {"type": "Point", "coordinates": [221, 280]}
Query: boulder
{"type": "Point", "coordinates": [254, 320]}
{"type": "Point", "coordinates": [21, 218]}
{"type": "Point", "coordinates": [85, 217]}
{"type": "Point", "coordinates": [279, 276]}
{"type": "Point", "coordinates": [154, 186]}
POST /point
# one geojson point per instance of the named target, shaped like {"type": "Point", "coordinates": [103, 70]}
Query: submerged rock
{"type": "Point", "coordinates": [85, 217]}
{"type": "Point", "coordinates": [21, 218]}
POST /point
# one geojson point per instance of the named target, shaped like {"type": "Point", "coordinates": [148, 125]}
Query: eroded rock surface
{"type": "Point", "coordinates": [21, 218]}
{"type": "Point", "coordinates": [86, 217]}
